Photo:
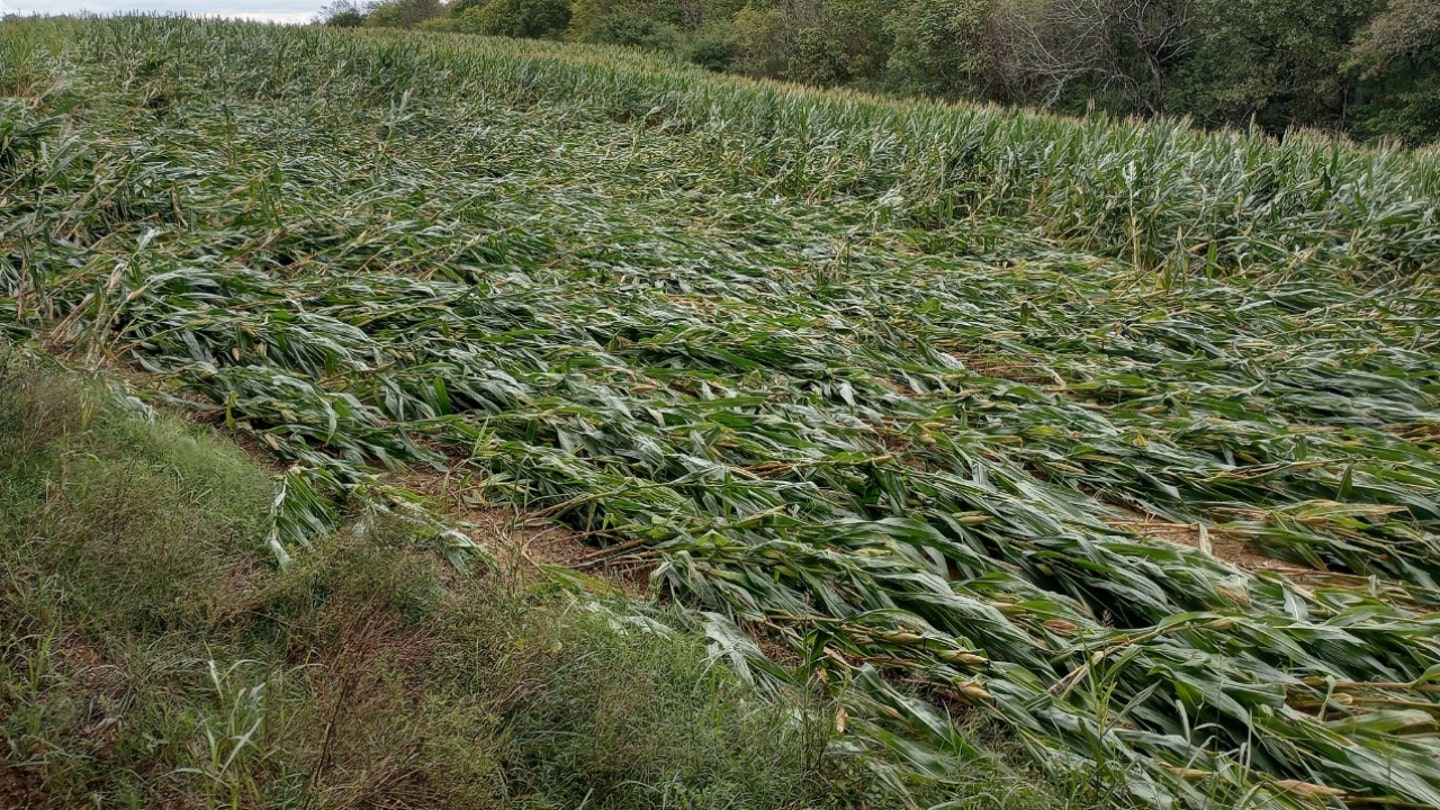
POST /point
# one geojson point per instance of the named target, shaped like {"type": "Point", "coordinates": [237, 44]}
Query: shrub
{"type": "Point", "coordinates": [517, 18]}
{"type": "Point", "coordinates": [622, 25]}
{"type": "Point", "coordinates": [938, 47]}
{"type": "Point", "coordinates": [709, 49]}
{"type": "Point", "coordinates": [759, 41]}
{"type": "Point", "coordinates": [403, 13]}
{"type": "Point", "coordinates": [343, 14]}
{"type": "Point", "coordinates": [816, 58]}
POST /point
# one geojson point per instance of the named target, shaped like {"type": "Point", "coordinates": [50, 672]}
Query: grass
{"type": "Point", "coordinates": [898, 387]}
{"type": "Point", "coordinates": [155, 656]}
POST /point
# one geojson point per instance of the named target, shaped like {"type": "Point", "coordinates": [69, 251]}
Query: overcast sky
{"type": "Point", "coordinates": [288, 11]}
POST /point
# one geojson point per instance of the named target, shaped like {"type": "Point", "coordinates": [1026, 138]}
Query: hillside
{"type": "Point", "coordinates": [1120, 438]}
{"type": "Point", "coordinates": [152, 655]}
{"type": "Point", "coordinates": [1366, 68]}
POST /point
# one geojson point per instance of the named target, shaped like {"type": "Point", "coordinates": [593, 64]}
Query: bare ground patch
{"type": "Point", "coordinates": [20, 789]}
{"type": "Point", "coordinates": [526, 543]}
{"type": "Point", "coordinates": [1245, 556]}
{"type": "Point", "coordinates": [1218, 544]}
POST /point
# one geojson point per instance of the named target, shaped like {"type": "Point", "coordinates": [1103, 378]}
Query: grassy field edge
{"type": "Point", "coordinates": [154, 654]}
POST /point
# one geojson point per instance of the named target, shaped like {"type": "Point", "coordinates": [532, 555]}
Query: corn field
{"type": "Point", "coordinates": [1123, 436]}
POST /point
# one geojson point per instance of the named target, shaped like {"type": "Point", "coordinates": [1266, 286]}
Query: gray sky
{"type": "Point", "coordinates": [287, 11]}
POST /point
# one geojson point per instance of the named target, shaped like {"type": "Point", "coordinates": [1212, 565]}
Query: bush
{"type": "Point", "coordinates": [351, 18]}
{"type": "Point", "coordinates": [517, 18]}
{"type": "Point", "coordinates": [709, 49]}
{"type": "Point", "coordinates": [816, 58]}
{"type": "Point", "coordinates": [759, 42]}
{"type": "Point", "coordinates": [342, 14]}
{"type": "Point", "coordinates": [938, 48]}
{"type": "Point", "coordinates": [858, 27]}
{"type": "Point", "coordinates": [622, 25]}
{"type": "Point", "coordinates": [446, 24]}
{"type": "Point", "coordinates": [403, 13]}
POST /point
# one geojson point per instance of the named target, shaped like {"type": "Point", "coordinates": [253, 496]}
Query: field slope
{"type": "Point", "coordinates": [1125, 437]}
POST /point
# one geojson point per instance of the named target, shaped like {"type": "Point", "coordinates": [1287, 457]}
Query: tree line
{"type": "Point", "coordinates": [1366, 68]}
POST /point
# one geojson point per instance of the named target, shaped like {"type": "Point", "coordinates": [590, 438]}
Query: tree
{"type": "Point", "coordinates": [403, 13]}
{"type": "Point", "coordinates": [816, 57]}
{"type": "Point", "coordinates": [1129, 48]}
{"type": "Point", "coordinates": [342, 14]}
{"type": "Point", "coordinates": [1397, 58]}
{"type": "Point", "coordinates": [939, 46]}
{"type": "Point", "coordinates": [858, 28]}
{"type": "Point", "coordinates": [1279, 63]}
{"type": "Point", "coordinates": [516, 18]}
{"type": "Point", "coordinates": [622, 22]}
{"type": "Point", "coordinates": [1406, 30]}
{"type": "Point", "coordinates": [759, 41]}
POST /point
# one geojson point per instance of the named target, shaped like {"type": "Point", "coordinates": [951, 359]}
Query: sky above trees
{"type": "Point", "coordinates": [285, 11]}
